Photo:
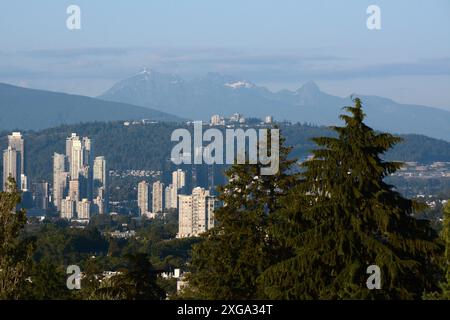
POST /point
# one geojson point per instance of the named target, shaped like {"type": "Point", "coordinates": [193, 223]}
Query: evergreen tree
{"type": "Point", "coordinates": [137, 282]}
{"type": "Point", "coordinates": [114, 248]}
{"type": "Point", "coordinates": [446, 238]}
{"type": "Point", "coordinates": [444, 293]}
{"type": "Point", "coordinates": [93, 277]}
{"type": "Point", "coordinates": [226, 264]}
{"type": "Point", "coordinates": [47, 281]}
{"type": "Point", "coordinates": [15, 253]}
{"type": "Point", "coordinates": [343, 217]}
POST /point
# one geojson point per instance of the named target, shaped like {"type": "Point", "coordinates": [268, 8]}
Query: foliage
{"type": "Point", "coordinates": [137, 282]}
{"type": "Point", "coordinates": [226, 264]}
{"type": "Point", "coordinates": [343, 217]}
{"type": "Point", "coordinates": [15, 253]}
{"type": "Point", "coordinates": [444, 292]}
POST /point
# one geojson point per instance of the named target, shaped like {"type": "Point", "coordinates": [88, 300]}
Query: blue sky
{"type": "Point", "coordinates": [279, 44]}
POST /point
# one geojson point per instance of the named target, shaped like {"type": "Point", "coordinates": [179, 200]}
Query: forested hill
{"type": "Point", "coordinates": [148, 146]}
{"type": "Point", "coordinates": [32, 109]}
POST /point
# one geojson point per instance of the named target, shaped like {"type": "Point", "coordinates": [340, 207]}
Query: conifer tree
{"type": "Point", "coordinates": [343, 217]}
{"type": "Point", "coordinates": [137, 282]}
{"type": "Point", "coordinates": [47, 281]}
{"type": "Point", "coordinates": [15, 253]}
{"type": "Point", "coordinates": [445, 234]}
{"type": "Point", "coordinates": [226, 264]}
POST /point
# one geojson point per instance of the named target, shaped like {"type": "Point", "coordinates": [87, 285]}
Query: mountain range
{"type": "Point", "coordinates": [23, 108]}
{"type": "Point", "coordinates": [167, 97]}
{"type": "Point", "coordinates": [214, 93]}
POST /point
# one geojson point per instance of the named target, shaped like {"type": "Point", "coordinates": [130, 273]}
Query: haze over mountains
{"type": "Point", "coordinates": [214, 93]}
{"type": "Point", "coordinates": [166, 97]}
{"type": "Point", "coordinates": [22, 108]}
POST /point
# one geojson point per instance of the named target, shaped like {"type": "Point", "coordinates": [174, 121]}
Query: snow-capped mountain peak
{"type": "Point", "coordinates": [144, 71]}
{"type": "Point", "coordinates": [239, 84]}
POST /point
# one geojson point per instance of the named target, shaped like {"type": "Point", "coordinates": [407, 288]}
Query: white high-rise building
{"type": "Point", "coordinates": [99, 202]}
{"type": "Point", "coordinates": [76, 159]}
{"type": "Point", "coordinates": [59, 162]}
{"type": "Point", "coordinates": [14, 161]}
{"type": "Point", "coordinates": [59, 179]}
{"type": "Point", "coordinates": [171, 197]}
{"type": "Point", "coordinates": [237, 117]}
{"type": "Point", "coordinates": [100, 183]}
{"type": "Point", "coordinates": [11, 167]}
{"type": "Point", "coordinates": [87, 151]}
{"type": "Point", "coordinates": [68, 208]}
{"type": "Point", "coordinates": [15, 141]}
{"type": "Point", "coordinates": [100, 170]}
{"type": "Point", "coordinates": [196, 213]}
{"type": "Point", "coordinates": [23, 182]}
{"type": "Point", "coordinates": [74, 190]}
{"type": "Point", "coordinates": [143, 197]}
{"type": "Point", "coordinates": [179, 179]}
{"type": "Point", "coordinates": [217, 120]}
{"type": "Point", "coordinates": [157, 197]}
{"type": "Point", "coordinates": [185, 216]}
{"type": "Point", "coordinates": [60, 189]}
{"type": "Point", "coordinates": [69, 143]}
{"type": "Point", "coordinates": [84, 209]}
{"type": "Point", "coordinates": [168, 197]}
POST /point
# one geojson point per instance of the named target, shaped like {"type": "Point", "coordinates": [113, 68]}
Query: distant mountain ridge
{"type": "Point", "coordinates": [23, 108]}
{"type": "Point", "coordinates": [214, 93]}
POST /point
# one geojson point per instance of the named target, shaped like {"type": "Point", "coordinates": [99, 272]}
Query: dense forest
{"type": "Point", "coordinates": [147, 147]}
{"type": "Point", "coordinates": [57, 245]}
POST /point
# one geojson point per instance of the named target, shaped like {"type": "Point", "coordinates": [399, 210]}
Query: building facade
{"type": "Point", "coordinates": [11, 167]}
{"type": "Point", "coordinates": [179, 179]}
{"type": "Point", "coordinates": [158, 197]}
{"type": "Point", "coordinates": [84, 209]}
{"type": "Point", "coordinates": [14, 162]}
{"type": "Point", "coordinates": [68, 208]}
{"type": "Point", "coordinates": [196, 213]}
{"type": "Point", "coordinates": [143, 197]}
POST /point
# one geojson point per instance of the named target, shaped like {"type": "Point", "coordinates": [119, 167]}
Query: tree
{"type": "Point", "coordinates": [47, 281]}
{"type": "Point", "coordinates": [343, 217]}
{"type": "Point", "coordinates": [93, 277]}
{"type": "Point", "coordinates": [114, 248]}
{"type": "Point", "coordinates": [137, 282]}
{"type": "Point", "coordinates": [446, 238]}
{"type": "Point", "coordinates": [444, 292]}
{"type": "Point", "coordinates": [226, 264]}
{"type": "Point", "coordinates": [15, 253]}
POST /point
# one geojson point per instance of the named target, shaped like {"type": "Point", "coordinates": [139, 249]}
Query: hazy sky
{"type": "Point", "coordinates": [277, 43]}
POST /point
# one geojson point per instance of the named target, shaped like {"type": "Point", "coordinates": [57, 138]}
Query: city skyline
{"type": "Point", "coordinates": [79, 182]}
{"type": "Point", "coordinates": [79, 187]}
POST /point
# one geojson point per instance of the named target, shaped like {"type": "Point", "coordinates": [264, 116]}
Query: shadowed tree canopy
{"type": "Point", "coordinates": [343, 217]}
{"type": "Point", "coordinates": [227, 263]}
{"type": "Point", "coordinates": [15, 253]}
{"type": "Point", "coordinates": [136, 282]}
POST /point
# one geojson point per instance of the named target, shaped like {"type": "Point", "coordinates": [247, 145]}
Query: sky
{"type": "Point", "coordinates": [280, 44]}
